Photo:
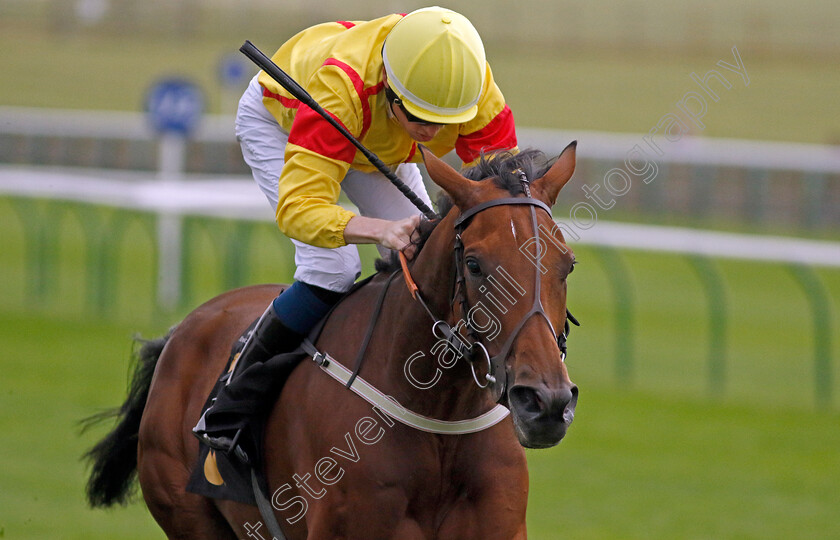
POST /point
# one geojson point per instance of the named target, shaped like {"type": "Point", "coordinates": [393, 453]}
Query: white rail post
{"type": "Point", "coordinates": [175, 107]}
{"type": "Point", "coordinates": [170, 229]}
{"type": "Point", "coordinates": [170, 244]}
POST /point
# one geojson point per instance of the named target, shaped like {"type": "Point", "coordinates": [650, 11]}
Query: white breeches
{"type": "Point", "coordinates": [263, 144]}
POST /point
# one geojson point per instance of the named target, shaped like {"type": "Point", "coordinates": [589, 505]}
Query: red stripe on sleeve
{"type": "Point", "coordinates": [289, 103]}
{"type": "Point", "coordinates": [499, 133]}
{"type": "Point", "coordinates": [312, 132]}
{"type": "Point", "coordinates": [346, 24]}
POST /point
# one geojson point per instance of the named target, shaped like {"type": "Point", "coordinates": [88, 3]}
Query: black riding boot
{"type": "Point", "coordinates": [252, 383]}
{"type": "Point", "coordinates": [262, 368]}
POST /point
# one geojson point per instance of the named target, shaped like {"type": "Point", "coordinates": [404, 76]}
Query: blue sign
{"type": "Point", "coordinates": [174, 106]}
{"type": "Point", "coordinates": [234, 70]}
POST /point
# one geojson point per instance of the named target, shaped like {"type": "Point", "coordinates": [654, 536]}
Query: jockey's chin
{"type": "Point", "coordinates": [423, 133]}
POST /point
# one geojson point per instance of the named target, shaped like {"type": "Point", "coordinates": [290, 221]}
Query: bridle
{"type": "Point", "coordinates": [496, 376]}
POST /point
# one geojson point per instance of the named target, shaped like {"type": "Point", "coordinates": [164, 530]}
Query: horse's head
{"type": "Point", "coordinates": [512, 263]}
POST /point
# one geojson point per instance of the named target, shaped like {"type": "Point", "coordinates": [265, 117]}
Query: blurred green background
{"type": "Point", "coordinates": [657, 451]}
{"type": "Point", "coordinates": [600, 65]}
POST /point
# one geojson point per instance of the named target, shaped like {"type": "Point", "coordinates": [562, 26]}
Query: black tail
{"type": "Point", "coordinates": [114, 459]}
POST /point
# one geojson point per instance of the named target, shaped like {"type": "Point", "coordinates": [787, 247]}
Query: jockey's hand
{"type": "Point", "coordinates": [391, 234]}
{"type": "Point", "coordinates": [397, 234]}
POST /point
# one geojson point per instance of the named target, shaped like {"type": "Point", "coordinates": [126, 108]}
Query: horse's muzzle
{"type": "Point", "coordinates": [541, 415]}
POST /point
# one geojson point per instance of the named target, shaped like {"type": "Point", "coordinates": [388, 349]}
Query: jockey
{"type": "Point", "coordinates": [392, 82]}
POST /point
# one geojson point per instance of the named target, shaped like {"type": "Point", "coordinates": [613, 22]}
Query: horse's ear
{"type": "Point", "coordinates": [459, 188]}
{"type": "Point", "coordinates": [558, 175]}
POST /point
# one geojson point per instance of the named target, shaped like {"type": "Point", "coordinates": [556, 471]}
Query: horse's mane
{"type": "Point", "coordinates": [502, 168]}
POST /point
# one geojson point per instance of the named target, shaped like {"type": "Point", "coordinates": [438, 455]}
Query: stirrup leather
{"type": "Point", "coordinates": [224, 444]}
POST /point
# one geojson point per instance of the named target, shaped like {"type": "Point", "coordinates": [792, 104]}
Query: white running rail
{"type": "Point", "coordinates": [239, 198]}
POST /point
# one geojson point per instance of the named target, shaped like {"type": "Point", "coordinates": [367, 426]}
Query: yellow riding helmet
{"type": "Point", "coordinates": [434, 60]}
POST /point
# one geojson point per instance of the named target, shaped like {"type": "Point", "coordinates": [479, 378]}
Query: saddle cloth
{"type": "Point", "coordinates": [218, 475]}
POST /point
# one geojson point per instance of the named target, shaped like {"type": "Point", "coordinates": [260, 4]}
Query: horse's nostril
{"type": "Point", "coordinates": [526, 399]}
{"type": "Point", "coordinates": [573, 398]}
{"type": "Point", "coordinates": [556, 405]}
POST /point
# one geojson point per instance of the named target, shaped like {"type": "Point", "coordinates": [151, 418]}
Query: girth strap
{"type": "Point", "coordinates": [264, 505]}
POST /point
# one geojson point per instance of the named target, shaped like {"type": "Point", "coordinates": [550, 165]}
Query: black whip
{"type": "Point", "coordinates": [264, 62]}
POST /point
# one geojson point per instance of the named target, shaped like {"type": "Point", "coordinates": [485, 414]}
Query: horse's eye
{"type": "Point", "coordinates": [473, 267]}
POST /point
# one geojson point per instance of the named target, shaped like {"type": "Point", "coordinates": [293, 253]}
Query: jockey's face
{"type": "Point", "coordinates": [417, 129]}
{"type": "Point", "coordinates": [419, 132]}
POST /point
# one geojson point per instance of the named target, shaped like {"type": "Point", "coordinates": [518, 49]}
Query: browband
{"type": "Point", "coordinates": [500, 202]}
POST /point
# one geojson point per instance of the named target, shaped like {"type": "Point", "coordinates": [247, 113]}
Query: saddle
{"type": "Point", "coordinates": [218, 475]}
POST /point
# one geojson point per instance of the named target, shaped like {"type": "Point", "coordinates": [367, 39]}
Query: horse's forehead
{"type": "Point", "coordinates": [508, 230]}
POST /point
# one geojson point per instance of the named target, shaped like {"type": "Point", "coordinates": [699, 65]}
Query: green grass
{"type": "Point", "coordinates": [767, 353]}
{"type": "Point", "coordinates": [631, 91]}
{"type": "Point", "coordinates": [641, 466]}
{"type": "Point", "coordinates": [635, 465]}
{"type": "Point", "coordinates": [659, 454]}
{"type": "Point", "coordinates": [621, 89]}
{"type": "Point", "coordinates": [56, 372]}
{"type": "Point", "coordinates": [656, 454]}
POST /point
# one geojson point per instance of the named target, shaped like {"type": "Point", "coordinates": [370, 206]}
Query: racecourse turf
{"type": "Point", "coordinates": [658, 449]}
{"type": "Point", "coordinates": [635, 464]}
{"type": "Point", "coordinates": [788, 97]}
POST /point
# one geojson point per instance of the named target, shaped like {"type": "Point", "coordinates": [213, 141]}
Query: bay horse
{"type": "Point", "coordinates": [337, 468]}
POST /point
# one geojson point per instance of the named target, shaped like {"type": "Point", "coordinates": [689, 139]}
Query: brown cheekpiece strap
{"type": "Point", "coordinates": [412, 287]}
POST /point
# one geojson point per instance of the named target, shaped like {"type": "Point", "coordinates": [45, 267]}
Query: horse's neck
{"type": "Point", "coordinates": [433, 269]}
{"type": "Point", "coordinates": [455, 395]}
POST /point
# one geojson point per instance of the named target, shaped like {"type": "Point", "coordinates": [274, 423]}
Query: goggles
{"type": "Point", "coordinates": [394, 99]}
